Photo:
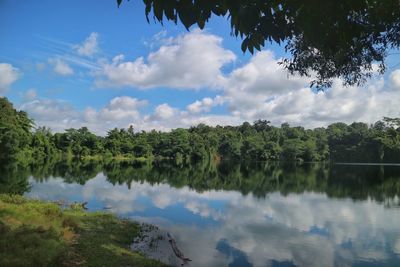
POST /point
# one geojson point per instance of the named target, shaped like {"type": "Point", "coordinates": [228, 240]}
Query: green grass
{"type": "Point", "coordinates": [36, 233]}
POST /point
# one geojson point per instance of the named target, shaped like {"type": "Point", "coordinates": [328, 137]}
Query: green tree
{"type": "Point", "coordinates": [230, 146]}
{"type": "Point", "coordinates": [292, 150]}
{"type": "Point", "coordinates": [15, 131]}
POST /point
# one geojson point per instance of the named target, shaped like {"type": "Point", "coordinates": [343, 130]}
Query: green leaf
{"type": "Point", "coordinates": [244, 45]}
{"type": "Point", "coordinates": [201, 23]}
{"type": "Point", "coordinates": [158, 10]}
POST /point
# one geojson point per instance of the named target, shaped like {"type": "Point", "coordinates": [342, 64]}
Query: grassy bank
{"type": "Point", "coordinates": [37, 233]}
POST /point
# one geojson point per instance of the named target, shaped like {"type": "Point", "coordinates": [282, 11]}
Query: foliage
{"type": "Point", "coordinates": [333, 38]}
{"type": "Point", "coordinates": [15, 129]}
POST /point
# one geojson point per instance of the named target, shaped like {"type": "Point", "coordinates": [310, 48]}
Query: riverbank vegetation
{"type": "Point", "coordinates": [37, 233]}
{"type": "Point", "coordinates": [260, 141]}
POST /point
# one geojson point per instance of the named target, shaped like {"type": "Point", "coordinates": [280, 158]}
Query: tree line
{"type": "Point", "coordinates": [259, 141]}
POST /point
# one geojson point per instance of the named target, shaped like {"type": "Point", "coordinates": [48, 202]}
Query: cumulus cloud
{"type": "Point", "coordinates": [60, 115]}
{"type": "Point", "coordinates": [163, 112]}
{"type": "Point", "coordinates": [262, 89]}
{"type": "Point", "coordinates": [8, 75]}
{"type": "Point", "coordinates": [257, 89]}
{"type": "Point", "coordinates": [166, 118]}
{"type": "Point", "coordinates": [248, 88]}
{"type": "Point", "coordinates": [56, 114]}
{"type": "Point", "coordinates": [121, 112]}
{"type": "Point", "coordinates": [189, 61]}
{"type": "Point", "coordinates": [61, 67]}
{"type": "Point", "coordinates": [211, 119]}
{"type": "Point", "coordinates": [122, 109]}
{"type": "Point", "coordinates": [312, 109]}
{"type": "Point", "coordinates": [395, 79]}
{"type": "Point", "coordinates": [89, 47]}
{"type": "Point", "coordinates": [263, 75]}
{"type": "Point", "coordinates": [299, 107]}
{"type": "Point", "coordinates": [205, 105]}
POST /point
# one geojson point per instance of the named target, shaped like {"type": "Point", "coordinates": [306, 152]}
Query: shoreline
{"type": "Point", "coordinates": [40, 233]}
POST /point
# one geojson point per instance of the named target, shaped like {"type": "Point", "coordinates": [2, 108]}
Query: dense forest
{"type": "Point", "coordinates": [260, 141]}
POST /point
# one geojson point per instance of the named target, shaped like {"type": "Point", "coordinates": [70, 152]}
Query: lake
{"type": "Point", "coordinates": [260, 214]}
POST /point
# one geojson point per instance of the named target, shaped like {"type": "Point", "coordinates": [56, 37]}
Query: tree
{"type": "Point", "coordinates": [230, 145]}
{"type": "Point", "coordinates": [253, 148]}
{"type": "Point", "coordinates": [292, 150]}
{"type": "Point", "coordinates": [332, 38]}
{"type": "Point", "coordinates": [41, 143]}
{"type": "Point", "coordinates": [15, 127]}
{"type": "Point", "coordinates": [262, 125]}
{"type": "Point", "coordinates": [198, 147]}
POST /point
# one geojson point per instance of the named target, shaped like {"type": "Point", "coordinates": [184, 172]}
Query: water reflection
{"type": "Point", "coordinates": [246, 215]}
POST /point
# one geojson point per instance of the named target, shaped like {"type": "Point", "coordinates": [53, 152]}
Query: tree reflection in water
{"type": "Point", "coordinates": [240, 214]}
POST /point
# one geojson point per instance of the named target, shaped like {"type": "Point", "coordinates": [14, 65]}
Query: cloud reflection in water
{"type": "Point", "coordinates": [226, 228]}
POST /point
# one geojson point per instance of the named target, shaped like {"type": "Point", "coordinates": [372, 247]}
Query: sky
{"type": "Point", "coordinates": [89, 63]}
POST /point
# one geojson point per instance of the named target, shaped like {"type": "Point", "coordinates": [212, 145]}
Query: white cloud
{"type": "Point", "coordinates": [189, 61]}
{"type": "Point", "coordinates": [212, 120]}
{"type": "Point", "coordinates": [56, 114]}
{"type": "Point", "coordinates": [8, 75]}
{"type": "Point", "coordinates": [164, 111]}
{"type": "Point", "coordinates": [307, 108]}
{"type": "Point", "coordinates": [120, 109]}
{"type": "Point", "coordinates": [89, 47]}
{"type": "Point", "coordinates": [298, 107]}
{"type": "Point", "coordinates": [395, 79]}
{"type": "Point", "coordinates": [205, 105]}
{"type": "Point", "coordinates": [248, 88]}
{"type": "Point", "coordinates": [120, 112]}
{"type": "Point", "coordinates": [258, 89]}
{"type": "Point", "coordinates": [263, 75]}
{"type": "Point", "coordinates": [261, 89]}
{"type": "Point", "coordinates": [61, 67]}
{"type": "Point", "coordinates": [59, 115]}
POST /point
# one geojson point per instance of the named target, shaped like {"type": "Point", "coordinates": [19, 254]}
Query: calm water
{"type": "Point", "coordinates": [242, 215]}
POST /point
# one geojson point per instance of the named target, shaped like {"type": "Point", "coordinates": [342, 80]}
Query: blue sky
{"type": "Point", "coordinates": [75, 63]}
